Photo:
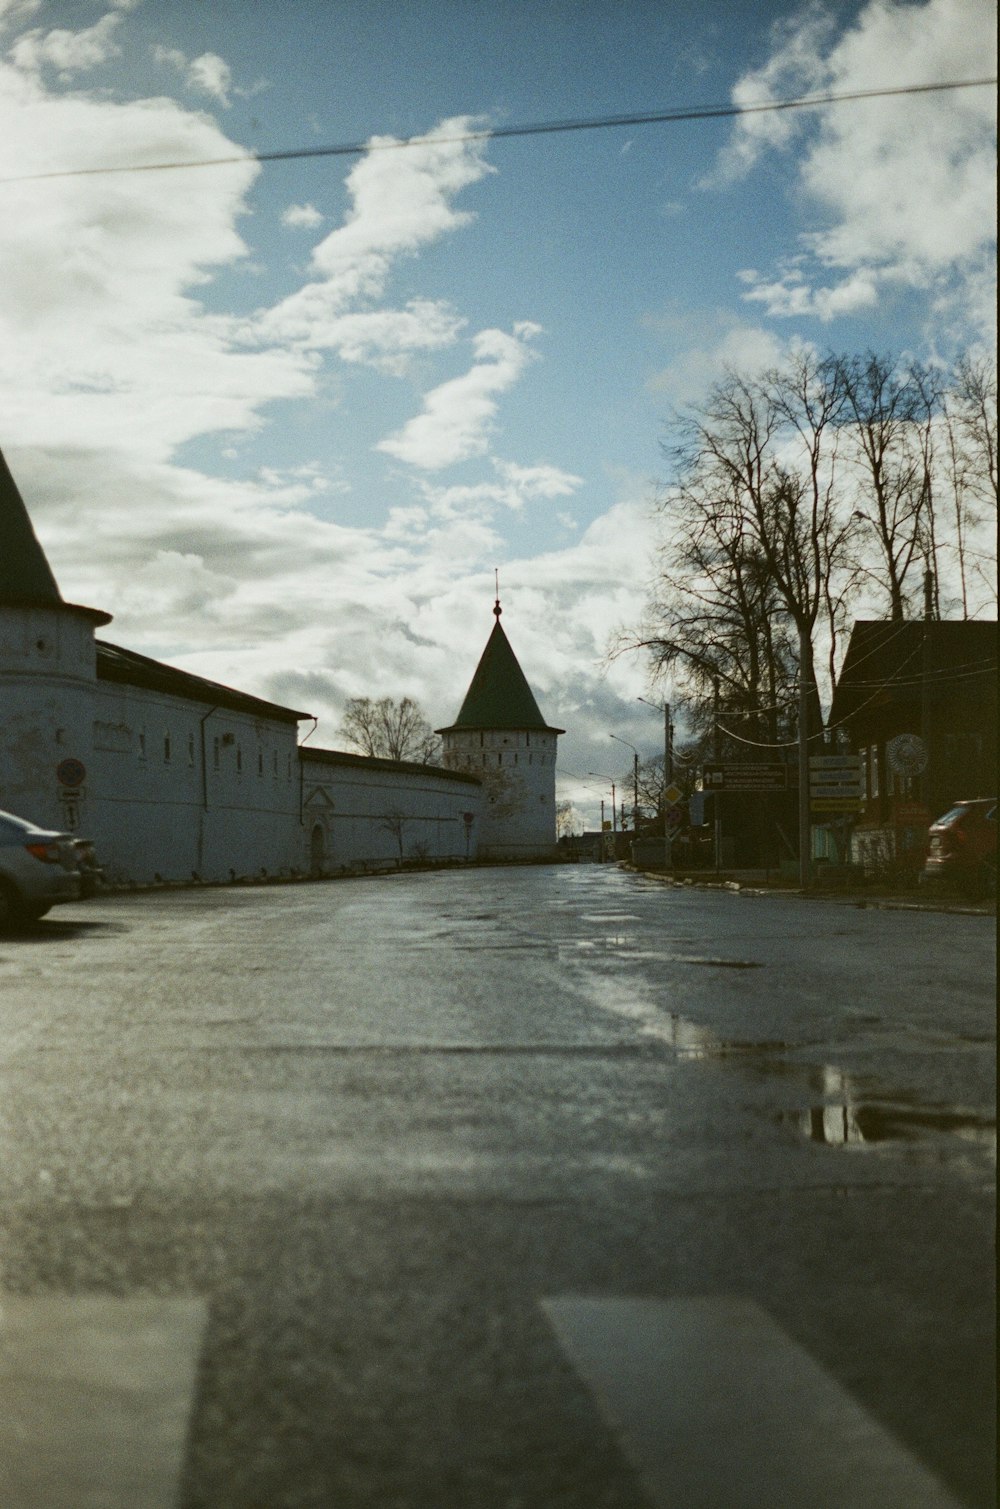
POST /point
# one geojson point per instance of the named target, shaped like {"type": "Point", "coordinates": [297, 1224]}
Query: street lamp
{"type": "Point", "coordinates": [668, 773]}
{"type": "Point", "coordinates": [614, 818]}
{"type": "Point", "coordinates": [635, 781]}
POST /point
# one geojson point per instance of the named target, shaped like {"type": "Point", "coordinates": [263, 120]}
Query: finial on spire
{"type": "Point", "coordinates": [497, 610]}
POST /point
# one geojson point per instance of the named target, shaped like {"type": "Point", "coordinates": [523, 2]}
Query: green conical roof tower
{"type": "Point", "coordinates": [499, 696]}
{"type": "Point", "coordinates": [25, 575]}
{"type": "Point", "coordinates": [26, 579]}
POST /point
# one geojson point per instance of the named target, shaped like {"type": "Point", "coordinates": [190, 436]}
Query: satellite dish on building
{"type": "Point", "coordinates": [907, 754]}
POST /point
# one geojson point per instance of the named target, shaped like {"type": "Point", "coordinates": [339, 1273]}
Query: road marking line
{"type": "Point", "coordinates": [716, 1407]}
{"type": "Point", "coordinates": [96, 1399]}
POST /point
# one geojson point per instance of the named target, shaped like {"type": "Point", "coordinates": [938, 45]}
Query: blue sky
{"type": "Point", "coordinates": [283, 420]}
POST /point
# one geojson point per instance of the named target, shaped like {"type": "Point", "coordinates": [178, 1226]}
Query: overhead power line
{"type": "Point", "coordinates": [492, 133]}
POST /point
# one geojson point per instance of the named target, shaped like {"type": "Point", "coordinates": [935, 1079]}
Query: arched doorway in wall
{"type": "Point", "coordinates": [317, 850]}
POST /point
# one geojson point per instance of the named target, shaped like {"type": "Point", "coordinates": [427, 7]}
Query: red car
{"type": "Point", "coordinates": [962, 846]}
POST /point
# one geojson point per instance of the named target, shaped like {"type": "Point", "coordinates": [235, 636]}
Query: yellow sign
{"type": "Point", "coordinates": [606, 826]}
{"type": "Point", "coordinates": [673, 795]}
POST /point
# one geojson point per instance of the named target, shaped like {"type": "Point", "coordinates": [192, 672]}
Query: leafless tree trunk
{"type": "Point", "coordinates": [390, 730]}
{"type": "Point", "coordinates": [888, 410]}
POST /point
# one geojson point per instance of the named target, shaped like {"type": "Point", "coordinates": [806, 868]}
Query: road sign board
{"type": "Point", "coordinates": [841, 804]}
{"type": "Point", "coordinates": [673, 795]}
{"type": "Point", "coordinates": [675, 817]}
{"type": "Point", "coordinates": [845, 790]}
{"type": "Point", "coordinates": [751, 776]}
{"type": "Point", "coordinates": [835, 762]}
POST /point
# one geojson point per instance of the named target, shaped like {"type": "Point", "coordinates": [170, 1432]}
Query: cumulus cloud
{"type": "Point", "coordinates": [211, 75]}
{"type": "Point", "coordinates": [707, 343]}
{"type": "Point", "coordinates": [111, 362]}
{"type": "Point", "coordinates": [207, 74]}
{"type": "Point", "coordinates": [305, 215]}
{"type": "Point", "coordinates": [903, 189]}
{"type": "Point", "coordinates": [69, 51]}
{"type": "Point", "coordinates": [401, 202]}
{"type": "Point", "coordinates": [457, 418]}
{"type": "Point", "coordinates": [386, 338]}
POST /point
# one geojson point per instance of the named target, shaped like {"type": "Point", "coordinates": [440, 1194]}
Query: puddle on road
{"type": "Point", "coordinates": [853, 1124]}
{"type": "Point", "coordinates": [716, 963]}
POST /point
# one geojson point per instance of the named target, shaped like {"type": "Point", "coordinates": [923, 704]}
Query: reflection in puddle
{"type": "Point", "coordinates": [843, 1120]}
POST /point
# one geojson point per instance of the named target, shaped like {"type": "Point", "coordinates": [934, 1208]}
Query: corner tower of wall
{"type": "Point", "coordinates": [47, 676]}
{"type": "Point", "coordinates": [501, 737]}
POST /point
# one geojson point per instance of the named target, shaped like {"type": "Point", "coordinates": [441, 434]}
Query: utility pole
{"type": "Point", "coordinates": [717, 757]}
{"type": "Point", "coordinates": [668, 776]}
{"type": "Point", "coordinates": [805, 835]}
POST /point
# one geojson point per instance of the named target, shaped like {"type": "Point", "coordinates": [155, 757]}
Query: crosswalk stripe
{"type": "Point", "coordinates": [96, 1398]}
{"type": "Point", "coordinates": [716, 1407]}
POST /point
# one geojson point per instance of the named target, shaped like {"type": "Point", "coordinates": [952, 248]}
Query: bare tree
{"type": "Point", "coordinates": [890, 413]}
{"type": "Point", "coordinates": [568, 820]}
{"type": "Point", "coordinates": [970, 425]}
{"type": "Point", "coordinates": [390, 730]}
{"type": "Point", "coordinates": [395, 823]}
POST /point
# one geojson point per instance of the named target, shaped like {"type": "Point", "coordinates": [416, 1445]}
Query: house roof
{"type": "Point", "coordinates": [347, 757]}
{"type": "Point", "coordinates": [125, 666]}
{"type": "Point", "coordinates": [26, 579]}
{"type": "Point", "coordinates": [499, 695]}
{"type": "Point", "coordinates": [904, 661]}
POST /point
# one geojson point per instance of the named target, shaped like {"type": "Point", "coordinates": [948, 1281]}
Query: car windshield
{"type": "Point", "coordinates": [951, 816]}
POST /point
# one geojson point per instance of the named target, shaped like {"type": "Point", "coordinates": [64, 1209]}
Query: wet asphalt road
{"type": "Point", "coordinates": [374, 1123]}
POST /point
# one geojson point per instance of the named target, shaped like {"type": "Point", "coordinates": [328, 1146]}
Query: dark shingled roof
{"type": "Point", "coordinates": [348, 757]}
{"type": "Point", "coordinates": [116, 664]}
{"type": "Point", "coordinates": [25, 575]}
{"type": "Point", "coordinates": [498, 695]}
{"type": "Point", "coordinates": [907, 660]}
{"type": "Point", "coordinates": [26, 579]}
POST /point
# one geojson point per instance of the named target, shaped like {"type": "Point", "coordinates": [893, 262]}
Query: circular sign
{"type": "Point", "coordinates": [907, 754]}
{"type": "Point", "coordinates": [71, 772]}
{"type": "Point", "coordinates": [675, 817]}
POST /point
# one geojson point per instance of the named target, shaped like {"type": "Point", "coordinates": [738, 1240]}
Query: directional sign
{"type": "Point", "coordinates": [835, 783]}
{"type": "Point", "coordinates": [835, 762]}
{"type": "Point", "coordinates": [746, 777]}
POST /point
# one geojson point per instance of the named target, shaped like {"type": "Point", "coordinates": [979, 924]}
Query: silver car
{"type": "Point", "coordinates": [38, 868]}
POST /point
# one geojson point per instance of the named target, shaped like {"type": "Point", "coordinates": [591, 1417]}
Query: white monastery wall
{"type": "Point", "coordinates": [47, 679]}
{"type": "Point", "coordinates": [361, 812]}
{"type": "Point", "coordinates": [179, 790]}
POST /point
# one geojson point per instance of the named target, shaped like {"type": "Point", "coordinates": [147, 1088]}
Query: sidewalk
{"type": "Point", "coordinates": [768, 882]}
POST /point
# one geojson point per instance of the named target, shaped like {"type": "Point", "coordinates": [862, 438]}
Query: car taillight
{"type": "Point", "coordinates": [50, 854]}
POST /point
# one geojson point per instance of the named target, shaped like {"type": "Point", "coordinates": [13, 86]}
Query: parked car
{"type": "Point", "coordinates": [962, 846]}
{"type": "Point", "coordinates": [38, 869]}
{"type": "Point", "coordinates": [91, 874]}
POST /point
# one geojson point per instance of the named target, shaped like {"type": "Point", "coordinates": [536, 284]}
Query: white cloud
{"type": "Point", "coordinates": [381, 338]}
{"type": "Point", "coordinates": [457, 418]}
{"type": "Point", "coordinates": [110, 362]}
{"type": "Point", "coordinates": [904, 188]}
{"type": "Point", "coordinates": [69, 51]}
{"type": "Point", "coordinates": [101, 338]}
{"type": "Point", "coordinates": [306, 215]}
{"type": "Point", "coordinates": [207, 74]}
{"type": "Point", "coordinates": [707, 343]}
{"type": "Point", "coordinates": [211, 75]}
{"type": "Point", "coordinates": [401, 202]}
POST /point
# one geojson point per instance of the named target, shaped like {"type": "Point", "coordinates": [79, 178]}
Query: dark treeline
{"type": "Point", "coordinates": [795, 499]}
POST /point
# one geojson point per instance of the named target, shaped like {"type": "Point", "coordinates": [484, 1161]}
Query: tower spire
{"type": "Point", "coordinates": [26, 579]}
{"type": "Point", "coordinates": [497, 610]}
{"type": "Point", "coordinates": [25, 574]}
